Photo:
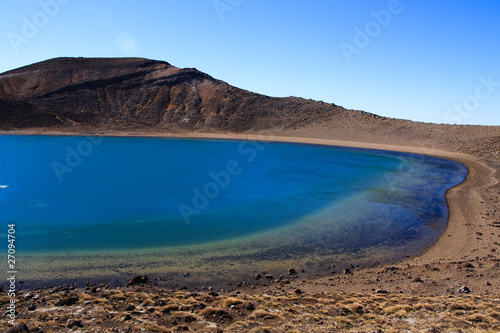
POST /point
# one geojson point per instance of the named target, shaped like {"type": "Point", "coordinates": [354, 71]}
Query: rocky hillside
{"type": "Point", "coordinates": [135, 93]}
{"type": "Point", "coordinates": [91, 95]}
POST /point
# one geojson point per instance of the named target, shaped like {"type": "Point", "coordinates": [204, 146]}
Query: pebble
{"type": "Point", "coordinates": [72, 323]}
{"type": "Point", "coordinates": [67, 301]}
{"type": "Point", "coordinates": [381, 291]}
{"type": "Point", "coordinates": [464, 290]}
{"type": "Point", "coordinates": [127, 317]}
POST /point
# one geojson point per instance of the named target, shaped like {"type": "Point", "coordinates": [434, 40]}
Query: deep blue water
{"type": "Point", "coordinates": [82, 193]}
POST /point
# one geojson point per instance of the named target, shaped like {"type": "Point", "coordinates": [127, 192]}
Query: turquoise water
{"type": "Point", "coordinates": [83, 194]}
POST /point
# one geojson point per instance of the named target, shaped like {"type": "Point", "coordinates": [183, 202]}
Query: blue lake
{"type": "Point", "coordinates": [78, 196]}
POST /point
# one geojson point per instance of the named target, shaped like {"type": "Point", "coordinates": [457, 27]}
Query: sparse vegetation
{"type": "Point", "coordinates": [320, 312]}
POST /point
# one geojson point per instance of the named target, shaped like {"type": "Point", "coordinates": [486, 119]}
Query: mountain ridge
{"type": "Point", "coordinates": [119, 93]}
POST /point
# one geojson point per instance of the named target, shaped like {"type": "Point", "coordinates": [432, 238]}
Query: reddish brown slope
{"type": "Point", "coordinates": [140, 93]}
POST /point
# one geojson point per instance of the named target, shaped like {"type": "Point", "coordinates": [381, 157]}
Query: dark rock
{"type": "Point", "coordinates": [31, 307]}
{"type": "Point", "coordinates": [127, 317]}
{"type": "Point", "coordinates": [390, 269]}
{"type": "Point", "coordinates": [19, 328]}
{"type": "Point", "coordinates": [189, 319]}
{"type": "Point", "coordinates": [298, 291]}
{"type": "Point", "coordinates": [269, 277]}
{"type": "Point", "coordinates": [292, 271]}
{"type": "Point", "coordinates": [347, 271]}
{"type": "Point", "coordinates": [213, 293]}
{"type": "Point", "coordinates": [159, 302]}
{"type": "Point", "coordinates": [131, 307]}
{"type": "Point", "coordinates": [71, 301]}
{"type": "Point", "coordinates": [381, 291]}
{"type": "Point", "coordinates": [464, 290]}
{"type": "Point", "coordinates": [66, 301]}
{"type": "Point", "coordinates": [418, 280]}
{"type": "Point", "coordinates": [72, 323]}
{"type": "Point", "coordinates": [250, 306]}
{"type": "Point", "coordinates": [258, 276]}
{"type": "Point", "coordinates": [138, 279]}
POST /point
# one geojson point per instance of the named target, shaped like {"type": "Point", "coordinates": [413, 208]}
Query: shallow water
{"type": "Point", "coordinates": [89, 203]}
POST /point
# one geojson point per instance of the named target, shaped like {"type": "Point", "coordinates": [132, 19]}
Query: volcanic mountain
{"type": "Point", "coordinates": [124, 93]}
{"type": "Point", "coordinates": [105, 95]}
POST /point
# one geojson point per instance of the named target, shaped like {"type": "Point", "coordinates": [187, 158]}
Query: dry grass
{"type": "Point", "coordinates": [228, 302]}
{"type": "Point", "coordinates": [158, 311]}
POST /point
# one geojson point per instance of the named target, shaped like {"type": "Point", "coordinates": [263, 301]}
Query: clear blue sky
{"type": "Point", "coordinates": [433, 61]}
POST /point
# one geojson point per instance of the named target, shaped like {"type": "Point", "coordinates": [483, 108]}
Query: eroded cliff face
{"type": "Point", "coordinates": [123, 93]}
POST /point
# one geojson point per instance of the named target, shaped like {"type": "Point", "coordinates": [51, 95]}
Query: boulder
{"type": "Point", "coordinates": [19, 328]}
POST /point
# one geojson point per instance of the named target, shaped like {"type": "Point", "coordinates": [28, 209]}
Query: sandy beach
{"type": "Point", "coordinates": [467, 254]}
